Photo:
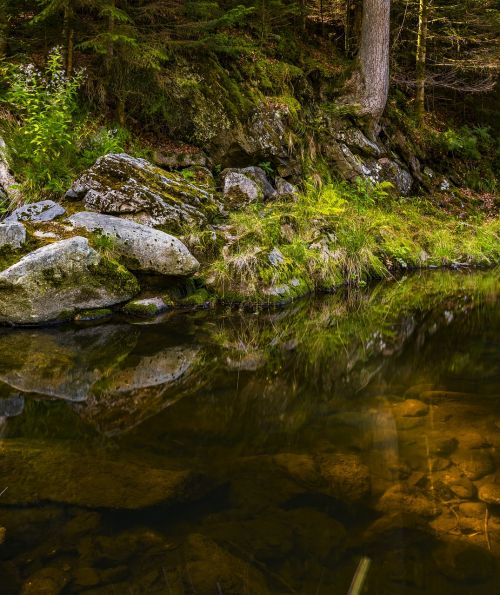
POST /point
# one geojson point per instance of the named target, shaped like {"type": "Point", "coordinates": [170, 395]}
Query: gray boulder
{"type": "Point", "coordinates": [12, 234]}
{"type": "Point", "coordinates": [54, 282]}
{"type": "Point", "coordinates": [45, 210]}
{"type": "Point", "coordinates": [141, 247]}
{"type": "Point", "coordinates": [240, 189]}
{"type": "Point", "coordinates": [286, 190]}
{"type": "Point", "coordinates": [119, 184]}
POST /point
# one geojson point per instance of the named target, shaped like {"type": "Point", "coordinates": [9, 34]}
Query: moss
{"type": "Point", "coordinates": [140, 310]}
{"type": "Point", "coordinates": [116, 277]}
{"type": "Point", "coordinates": [199, 298]}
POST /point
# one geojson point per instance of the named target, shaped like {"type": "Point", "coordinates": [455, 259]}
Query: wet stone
{"type": "Point", "coordinates": [473, 510]}
{"type": "Point", "coordinates": [11, 406]}
{"type": "Point", "coordinates": [443, 446]}
{"type": "Point", "coordinates": [47, 581]}
{"type": "Point", "coordinates": [460, 561]}
{"type": "Point", "coordinates": [474, 463]}
{"type": "Point", "coordinates": [490, 493]}
{"type": "Point", "coordinates": [472, 440]}
{"type": "Point", "coordinates": [463, 488]}
{"type": "Point", "coordinates": [412, 408]}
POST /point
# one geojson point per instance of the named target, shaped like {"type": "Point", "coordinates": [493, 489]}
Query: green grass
{"type": "Point", "coordinates": [338, 234]}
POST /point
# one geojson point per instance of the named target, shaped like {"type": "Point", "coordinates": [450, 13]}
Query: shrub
{"type": "Point", "coordinates": [43, 141]}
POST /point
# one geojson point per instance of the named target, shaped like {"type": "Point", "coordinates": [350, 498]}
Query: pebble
{"type": "Point", "coordinates": [473, 440]}
{"type": "Point", "coordinates": [463, 488]}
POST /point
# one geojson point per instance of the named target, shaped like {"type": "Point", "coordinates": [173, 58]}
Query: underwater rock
{"type": "Point", "coordinates": [51, 472]}
{"type": "Point", "coordinates": [212, 569]}
{"type": "Point", "coordinates": [461, 561]}
{"type": "Point", "coordinates": [119, 184]}
{"type": "Point", "coordinates": [411, 408]}
{"type": "Point", "coordinates": [490, 493]}
{"type": "Point", "coordinates": [147, 307]}
{"type": "Point", "coordinates": [140, 247]}
{"type": "Point", "coordinates": [402, 498]}
{"type": "Point", "coordinates": [474, 464]}
{"type": "Point", "coordinates": [347, 477]}
{"type": "Point", "coordinates": [44, 210]}
{"type": "Point", "coordinates": [62, 363]}
{"type": "Point", "coordinates": [57, 280]}
{"type": "Point", "coordinates": [12, 234]}
{"type": "Point", "coordinates": [46, 581]}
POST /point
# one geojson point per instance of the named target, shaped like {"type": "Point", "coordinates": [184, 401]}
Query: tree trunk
{"type": "Point", "coordinates": [69, 35]}
{"type": "Point", "coordinates": [423, 18]}
{"type": "Point", "coordinates": [4, 25]}
{"type": "Point", "coordinates": [370, 83]}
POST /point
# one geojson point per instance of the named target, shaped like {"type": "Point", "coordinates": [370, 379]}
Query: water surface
{"type": "Point", "coordinates": [285, 451]}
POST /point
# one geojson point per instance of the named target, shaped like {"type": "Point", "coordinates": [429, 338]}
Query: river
{"type": "Point", "coordinates": [347, 443]}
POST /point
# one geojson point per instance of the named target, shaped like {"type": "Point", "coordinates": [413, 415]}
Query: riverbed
{"type": "Point", "coordinates": [347, 443]}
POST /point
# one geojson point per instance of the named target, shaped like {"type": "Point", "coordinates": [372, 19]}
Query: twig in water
{"type": "Point", "coordinates": [486, 532]}
{"type": "Point", "coordinates": [359, 577]}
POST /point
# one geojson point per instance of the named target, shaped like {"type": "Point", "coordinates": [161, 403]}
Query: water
{"type": "Point", "coordinates": [246, 453]}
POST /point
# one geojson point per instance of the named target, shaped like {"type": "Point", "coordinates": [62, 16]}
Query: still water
{"type": "Point", "coordinates": [345, 444]}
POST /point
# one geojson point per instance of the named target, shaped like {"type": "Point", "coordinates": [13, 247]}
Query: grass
{"type": "Point", "coordinates": [337, 234]}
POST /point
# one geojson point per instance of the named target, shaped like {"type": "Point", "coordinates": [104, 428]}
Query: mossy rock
{"type": "Point", "coordinates": [147, 307]}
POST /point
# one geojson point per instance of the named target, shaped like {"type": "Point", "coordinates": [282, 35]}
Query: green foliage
{"type": "Point", "coordinates": [469, 143]}
{"type": "Point", "coordinates": [45, 137]}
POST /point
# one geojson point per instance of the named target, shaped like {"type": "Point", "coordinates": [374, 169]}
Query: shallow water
{"type": "Point", "coordinates": [288, 451]}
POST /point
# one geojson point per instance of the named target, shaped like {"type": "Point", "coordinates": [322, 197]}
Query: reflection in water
{"type": "Point", "coordinates": [344, 441]}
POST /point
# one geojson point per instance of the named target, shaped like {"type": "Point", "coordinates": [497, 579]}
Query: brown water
{"type": "Point", "coordinates": [227, 453]}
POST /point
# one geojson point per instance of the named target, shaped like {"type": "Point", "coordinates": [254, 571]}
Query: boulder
{"type": "Point", "coordinates": [12, 234]}
{"type": "Point", "coordinates": [42, 472]}
{"type": "Point", "coordinates": [180, 158]}
{"type": "Point", "coordinates": [356, 140]}
{"type": "Point", "coordinates": [119, 184]}
{"type": "Point", "coordinates": [285, 190]}
{"type": "Point", "coordinates": [141, 248]}
{"type": "Point", "coordinates": [147, 307]}
{"type": "Point", "coordinates": [57, 280]}
{"type": "Point", "coordinates": [490, 493]}
{"type": "Point", "coordinates": [44, 210]}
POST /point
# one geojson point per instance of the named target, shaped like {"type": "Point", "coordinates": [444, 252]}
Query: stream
{"type": "Point", "coordinates": [345, 444]}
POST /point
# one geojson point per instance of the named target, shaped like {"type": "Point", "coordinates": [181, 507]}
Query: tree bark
{"type": "Point", "coordinates": [370, 83]}
{"type": "Point", "coordinates": [421, 54]}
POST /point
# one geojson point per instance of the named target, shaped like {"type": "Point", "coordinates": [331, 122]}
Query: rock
{"type": "Point", "coordinates": [357, 141]}
{"type": "Point", "coordinates": [490, 493]}
{"type": "Point", "coordinates": [212, 570]}
{"type": "Point", "coordinates": [472, 510]}
{"type": "Point", "coordinates": [64, 364]}
{"type": "Point", "coordinates": [140, 247]}
{"type": "Point", "coordinates": [44, 210]}
{"type": "Point", "coordinates": [46, 581]}
{"type": "Point", "coordinates": [201, 176]}
{"type": "Point", "coordinates": [11, 406]}
{"type": "Point", "coordinates": [474, 464]}
{"type": "Point", "coordinates": [86, 576]}
{"type": "Point", "coordinates": [147, 307]}
{"type": "Point", "coordinates": [463, 488]}
{"type": "Point", "coordinates": [443, 446]}
{"type": "Point", "coordinates": [240, 190]}
{"type": "Point", "coordinates": [463, 562]}
{"type": "Point", "coordinates": [388, 170]}
{"type": "Point", "coordinates": [123, 185]}
{"type": "Point", "coordinates": [412, 408]}
{"type": "Point", "coordinates": [12, 234]}
{"type": "Point", "coordinates": [57, 280]}
{"type": "Point", "coordinates": [275, 257]}
{"type": "Point", "coordinates": [406, 500]}
{"type": "Point", "coordinates": [180, 159]}
{"type": "Point", "coordinates": [300, 467]}
{"type": "Point", "coordinates": [259, 176]}
{"type": "Point", "coordinates": [285, 190]}
{"type": "Point", "coordinates": [61, 473]}
{"type": "Point", "coordinates": [473, 440]}
{"type": "Point", "coordinates": [347, 477]}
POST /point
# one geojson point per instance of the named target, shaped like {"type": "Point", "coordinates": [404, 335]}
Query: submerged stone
{"type": "Point", "coordinates": [139, 246]}
{"type": "Point", "coordinates": [44, 210]}
{"type": "Point", "coordinates": [48, 472]}
{"type": "Point", "coordinates": [123, 185]}
{"type": "Point", "coordinates": [57, 280]}
{"type": "Point", "coordinates": [12, 234]}
{"type": "Point", "coordinates": [147, 307]}
{"type": "Point", "coordinates": [490, 493]}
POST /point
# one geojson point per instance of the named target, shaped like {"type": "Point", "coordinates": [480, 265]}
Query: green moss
{"type": "Point", "coordinates": [140, 310]}
{"type": "Point", "coordinates": [200, 297]}
{"type": "Point", "coordinates": [114, 276]}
